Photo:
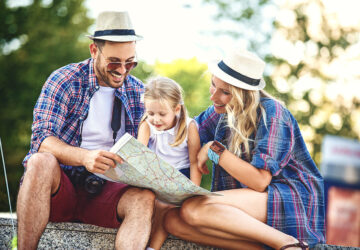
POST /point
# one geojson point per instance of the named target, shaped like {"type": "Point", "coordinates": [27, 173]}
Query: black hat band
{"type": "Point", "coordinates": [237, 75]}
{"type": "Point", "coordinates": [115, 32]}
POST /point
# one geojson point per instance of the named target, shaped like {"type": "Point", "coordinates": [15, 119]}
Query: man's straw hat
{"type": "Point", "coordinates": [114, 26]}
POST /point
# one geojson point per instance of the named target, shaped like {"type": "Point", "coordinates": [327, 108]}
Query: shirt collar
{"type": "Point", "coordinates": [93, 82]}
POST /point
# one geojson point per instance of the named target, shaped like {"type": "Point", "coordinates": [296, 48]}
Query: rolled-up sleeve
{"type": "Point", "coordinates": [273, 145]}
{"type": "Point", "coordinates": [50, 110]}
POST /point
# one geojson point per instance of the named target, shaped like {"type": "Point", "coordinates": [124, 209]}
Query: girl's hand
{"type": "Point", "coordinates": [202, 157]}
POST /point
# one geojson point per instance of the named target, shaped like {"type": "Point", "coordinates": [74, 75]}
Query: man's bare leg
{"type": "Point", "coordinates": [42, 178]}
{"type": "Point", "coordinates": [136, 208]}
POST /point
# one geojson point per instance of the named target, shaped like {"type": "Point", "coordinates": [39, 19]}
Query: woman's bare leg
{"type": "Point", "coordinates": [177, 227]}
{"type": "Point", "coordinates": [238, 214]}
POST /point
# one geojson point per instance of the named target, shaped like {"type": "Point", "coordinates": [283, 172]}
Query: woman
{"type": "Point", "coordinates": [272, 192]}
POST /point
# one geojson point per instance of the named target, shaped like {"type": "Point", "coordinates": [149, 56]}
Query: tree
{"type": "Point", "coordinates": [34, 40]}
{"type": "Point", "coordinates": [313, 55]}
{"type": "Point", "coordinates": [189, 73]}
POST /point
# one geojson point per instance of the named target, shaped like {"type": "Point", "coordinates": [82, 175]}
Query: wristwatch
{"type": "Point", "coordinates": [217, 147]}
{"type": "Point", "coordinates": [215, 150]}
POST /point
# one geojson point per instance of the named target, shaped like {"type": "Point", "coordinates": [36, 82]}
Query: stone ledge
{"type": "Point", "coordinates": [83, 236]}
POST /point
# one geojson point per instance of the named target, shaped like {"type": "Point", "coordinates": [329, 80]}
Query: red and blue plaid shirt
{"type": "Point", "coordinates": [296, 192]}
{"type": "Point", "coordinates": [64, 102]}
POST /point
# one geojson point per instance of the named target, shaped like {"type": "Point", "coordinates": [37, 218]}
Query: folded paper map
{"type": "Point", "coordinates": [143, 168]}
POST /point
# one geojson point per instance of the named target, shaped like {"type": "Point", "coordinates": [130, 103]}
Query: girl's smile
{"type": "Point", "coordinates": [161, 115]}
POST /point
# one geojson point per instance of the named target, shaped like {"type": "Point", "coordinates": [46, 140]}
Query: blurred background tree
{"type": "Point", "coordinates": [190, 74]}
{"type": "Point", "coordinates": [34, 40]}
{"type": "Point", "coordinates": [313, 57]}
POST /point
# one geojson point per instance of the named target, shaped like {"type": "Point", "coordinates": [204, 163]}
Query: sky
{"type": "Point", "coordinates": [170, 30]}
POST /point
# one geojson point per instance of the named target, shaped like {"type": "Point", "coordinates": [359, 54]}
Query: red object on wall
{"type": "Point", "coordinates": [343, 217]}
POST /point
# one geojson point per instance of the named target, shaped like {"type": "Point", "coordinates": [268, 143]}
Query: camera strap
{"type": "Point", "coordinates": [116, 117]}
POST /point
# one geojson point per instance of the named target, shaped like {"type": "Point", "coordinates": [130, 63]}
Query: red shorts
{"type": "Point", "coordinates": [70, 204]}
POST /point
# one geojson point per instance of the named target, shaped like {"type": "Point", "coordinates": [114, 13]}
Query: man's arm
{"type": "Point", "coordinates": [95, 161]}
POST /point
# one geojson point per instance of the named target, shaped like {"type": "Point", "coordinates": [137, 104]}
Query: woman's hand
{"type": "Point", "coordinates": [202, 157]}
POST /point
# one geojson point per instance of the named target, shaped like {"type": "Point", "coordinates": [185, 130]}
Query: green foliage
{"type": "Point", "coordinates": [34, 40]}
{"type": "Point", "coordinates": [14, 243]}
{"type": "Point", "coordinates": [192, 77]}
{"type": "Point", "coordinates": [143, 71]}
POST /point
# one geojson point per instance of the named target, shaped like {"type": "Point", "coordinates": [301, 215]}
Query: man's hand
{"type": "Point", "coordinates": [98, 161]}
{"type": "Point", "coordinates": [202, 157]}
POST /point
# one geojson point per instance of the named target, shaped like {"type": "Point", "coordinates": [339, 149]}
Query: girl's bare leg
{"type": "Point", "coordinates": [158, 233]}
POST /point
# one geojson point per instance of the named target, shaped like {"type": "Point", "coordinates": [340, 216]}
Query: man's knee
{"type": "Point", "coordinates": [137, 199]}
{"type": "Point", "coordinates": [143, 196]}
{"type": "Point", "coordinates": [43, 167]}
{"type": "Point", "coordinates": [40, 162]}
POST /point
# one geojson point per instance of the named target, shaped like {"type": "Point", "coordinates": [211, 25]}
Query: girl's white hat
{"type": "Point", "coordinates": [241, 69]}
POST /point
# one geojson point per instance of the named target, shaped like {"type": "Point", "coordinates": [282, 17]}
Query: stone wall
{"type": "Point", "coordinates": [83, 236]}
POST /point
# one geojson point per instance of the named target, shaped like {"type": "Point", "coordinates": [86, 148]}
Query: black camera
{"type": "Point", "coordinates": [79, 176]}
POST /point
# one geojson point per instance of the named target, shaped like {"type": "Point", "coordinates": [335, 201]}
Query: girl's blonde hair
{"type": "Point", "coordinates": [166, 90]}
{"type": "Point", "coordinates": [243, 117]}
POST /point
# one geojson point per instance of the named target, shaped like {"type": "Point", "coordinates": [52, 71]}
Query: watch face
{"type": "Point", "coordinates": [217, 147]}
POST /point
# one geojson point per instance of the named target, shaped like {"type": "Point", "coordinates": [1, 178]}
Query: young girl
{"type": "Point", "coordinates": [172, 135]}
{"type": "Point", "coordinates": [272, 190]}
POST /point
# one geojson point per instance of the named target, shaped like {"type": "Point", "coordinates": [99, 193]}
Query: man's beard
{"type": "Point", "coordinates": [103, 75]}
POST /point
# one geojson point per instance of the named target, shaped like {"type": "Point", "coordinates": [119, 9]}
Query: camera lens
{"type": "Point", "coordinates": [77, 175]}
{"type": "Point", "coordinates": [94, 184]}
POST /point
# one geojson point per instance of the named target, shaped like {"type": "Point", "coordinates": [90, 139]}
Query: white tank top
{"type": "Point", "coordinates": [159, 142]}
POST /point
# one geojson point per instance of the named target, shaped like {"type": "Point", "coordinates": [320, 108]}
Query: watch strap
{"type": "Point", "coordinates": [215, 151]}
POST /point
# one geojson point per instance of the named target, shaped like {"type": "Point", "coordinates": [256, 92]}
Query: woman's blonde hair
{"type": "Point", "coordinates": [166, 90]}
{"type": "Point", "coordinates": [243, 116]}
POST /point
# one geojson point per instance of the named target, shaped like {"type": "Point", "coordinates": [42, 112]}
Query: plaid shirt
{"type": "Point", "coordinates": [296, 192]}
{"type": "Point", "coordinates": [64, 103]}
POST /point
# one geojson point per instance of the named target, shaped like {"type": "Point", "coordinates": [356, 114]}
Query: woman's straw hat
{"type": "Point", "coordinates": [241, 69]}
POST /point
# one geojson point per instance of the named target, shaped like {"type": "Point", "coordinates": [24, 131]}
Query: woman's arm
{"type": "Point", "coordinates": [193, 148]}
{"type": "Point", "coordinates": [244, 172]}
{"type": "Point", "coordinates": [144, 133]}
{"type": "Point", "coordinates": [254, 178]}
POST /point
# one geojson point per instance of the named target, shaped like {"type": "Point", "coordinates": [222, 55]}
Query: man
{"type": "Point", "coordinates": [82, 110]}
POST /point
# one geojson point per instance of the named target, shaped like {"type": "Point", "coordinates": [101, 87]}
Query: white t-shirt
{"type": "Point", "coordinates": [96, 131]}
{"type": "Point", "coordinates": [159, 142]}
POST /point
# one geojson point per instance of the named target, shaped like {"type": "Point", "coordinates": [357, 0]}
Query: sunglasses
{"type": "Point", "coordinates": [115, 65]}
